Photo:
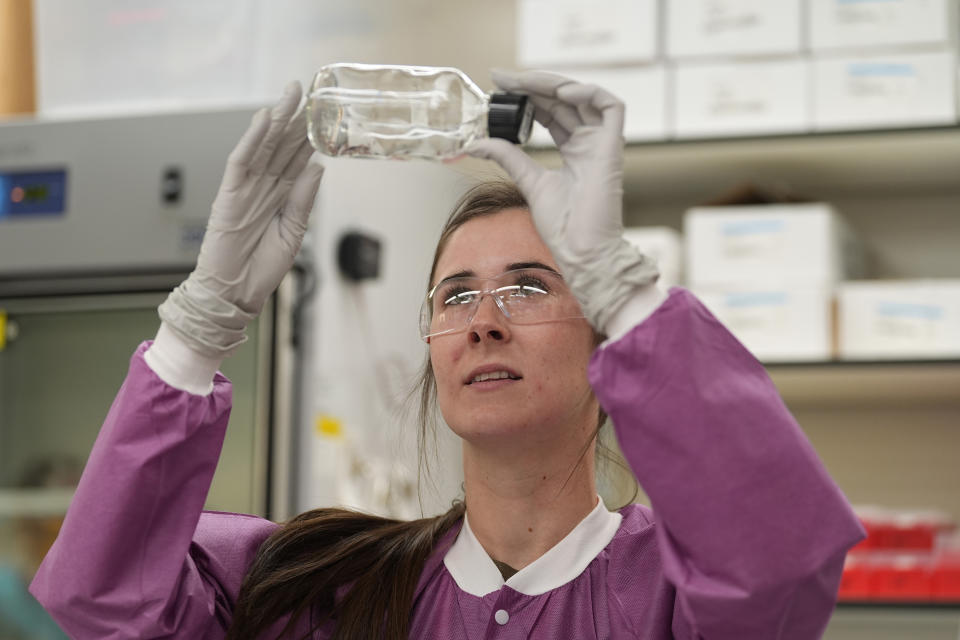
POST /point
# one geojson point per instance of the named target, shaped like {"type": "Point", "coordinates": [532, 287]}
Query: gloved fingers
{"type": "Point", "coordinates": [559, 134]}
{"type": "Point", "coordinates": [605, 103]}
{"type": "Point", "coordinates": [590, 116]}
{"type": "Point", "coordinates": [297, 162]}
{"type": "Point", "coordinates": [293, 138]}
{"type": "Point", "coordinates": [593, 105]}
{"type": "Point", "coordinates": [549, 111]}
{"type": "Point", "coordinates": [543, 83]}
{"type": "Point", "coordinates": [239, 159]}
{"type": "Point", "coordinates": [296, 213]}
{"type": "Point", "coordinates": [563, 101]}
{"type": "Point", "coordinates": [523, 169]}
{"type": "Point", "coordinates": [280, 116]}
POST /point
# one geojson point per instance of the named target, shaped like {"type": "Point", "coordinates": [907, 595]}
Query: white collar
{"type": "Point", "coordinates": [474, 570]}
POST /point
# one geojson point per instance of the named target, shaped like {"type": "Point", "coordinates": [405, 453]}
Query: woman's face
{"type": "Point", "coordinates": [549, 361]}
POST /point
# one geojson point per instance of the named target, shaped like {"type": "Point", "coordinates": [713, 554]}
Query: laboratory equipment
{"type": "Point", "coordinates": [99, 219]}
{"type": "Point", "coordinates": [94, 236]}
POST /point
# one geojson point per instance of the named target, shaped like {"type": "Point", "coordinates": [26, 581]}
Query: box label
{"type": "Point", "coordinates": [576, 32]}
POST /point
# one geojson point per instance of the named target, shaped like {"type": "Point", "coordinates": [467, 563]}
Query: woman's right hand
{"type": "Point", "coordinates": [578, 207]}
{"type": "Point", "coordinates": [256, 226]}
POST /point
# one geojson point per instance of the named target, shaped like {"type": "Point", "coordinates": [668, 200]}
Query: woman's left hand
{"type": "Point", "coordinates": [577, 208]}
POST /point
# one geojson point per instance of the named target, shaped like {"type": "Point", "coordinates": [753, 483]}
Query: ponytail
{"type": "Point", "coordinates": [339, 566]}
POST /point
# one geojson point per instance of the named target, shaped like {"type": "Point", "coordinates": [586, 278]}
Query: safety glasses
{"type": "Point", "coordinates": [523, 296]}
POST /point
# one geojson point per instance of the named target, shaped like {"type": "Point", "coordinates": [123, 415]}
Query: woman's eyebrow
{"type": "Point", "coordinates": [465, 273]}
{"type": "Point", "coordinates": [531, 264]}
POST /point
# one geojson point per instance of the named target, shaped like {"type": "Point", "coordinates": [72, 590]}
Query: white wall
{"type": "Point", "coordinates": [367, 350]}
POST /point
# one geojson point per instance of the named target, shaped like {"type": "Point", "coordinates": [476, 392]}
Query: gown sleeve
{"type": "Point", "coordinates": [751, 529]}
{"type": "Point", "coordinates": [136, 556]}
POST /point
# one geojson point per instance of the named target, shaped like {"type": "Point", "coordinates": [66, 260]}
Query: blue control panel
{"type": "Point", "coordinates": [32, 193]}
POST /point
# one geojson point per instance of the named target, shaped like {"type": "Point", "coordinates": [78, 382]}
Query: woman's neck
{"type": "Point", "coordinates": [521, 506]}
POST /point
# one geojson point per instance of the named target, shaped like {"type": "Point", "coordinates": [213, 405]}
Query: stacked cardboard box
{"type": "Point", "coordinates": [768, 273]}
{"type": "Point", "coordinates": [690, 69]}
{"type": "Point", "coordinates": [899, 319]}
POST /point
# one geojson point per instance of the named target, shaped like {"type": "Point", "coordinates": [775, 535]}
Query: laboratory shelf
{"type": "Point", "coordinates": [893, 622]}
{"type": "Point", "coordinates": [34, 502]}
{"type": "Point", "coordinates": [876, 383]}
{"type": "Point", "coordinates": [886, 161]}
{"type": "Point", "coordinates": [900, 604]}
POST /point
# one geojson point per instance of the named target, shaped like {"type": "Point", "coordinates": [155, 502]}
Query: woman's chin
{"type": "Point", "coordinates": [510, 430]}
{"type": "Point", "coordinates": [491, 425]}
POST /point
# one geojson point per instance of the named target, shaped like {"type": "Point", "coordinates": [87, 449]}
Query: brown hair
{"type": "Point", "coordinates": [348, 568]}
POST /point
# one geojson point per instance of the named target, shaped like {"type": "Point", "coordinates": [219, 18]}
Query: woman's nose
{"type": "Point", "coordinates": [488, 322]}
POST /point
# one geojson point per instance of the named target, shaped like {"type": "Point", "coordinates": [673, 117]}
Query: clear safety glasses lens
{"type": "Point", "coordinates": [524, 296]}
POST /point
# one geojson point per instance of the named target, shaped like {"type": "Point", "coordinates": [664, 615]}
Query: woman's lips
{"type": "Point", "coordinates": [492, 385]}
{"type": "Point", "coordinates": [491, 373]}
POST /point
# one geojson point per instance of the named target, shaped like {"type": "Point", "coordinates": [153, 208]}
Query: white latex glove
{"type": "Point", "coordinates": [256, 226]}
{"type": "Point", "coordinates": [578, 208]}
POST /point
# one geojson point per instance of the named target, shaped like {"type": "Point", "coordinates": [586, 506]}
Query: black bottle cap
{"type": "Point", "coordinates": [511, 116]}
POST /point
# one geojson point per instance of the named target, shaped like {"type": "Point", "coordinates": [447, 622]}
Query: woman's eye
{"type": "Point", "coordinates": [457, 296]}
{"type": "Point", "coordinates": [522, 291]}
{"type": "Point", "coordinates": [531, 286]}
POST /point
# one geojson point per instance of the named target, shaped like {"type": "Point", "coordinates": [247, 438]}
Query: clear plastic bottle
{"type": "Point", "coordinates": [392, 111]}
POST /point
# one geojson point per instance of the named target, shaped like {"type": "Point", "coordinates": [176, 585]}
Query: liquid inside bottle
{"type": "Point", "coordinates": [378, 111]}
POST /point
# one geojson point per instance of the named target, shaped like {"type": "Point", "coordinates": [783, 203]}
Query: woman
{"type": "Point", "coordinates": [748, 533]}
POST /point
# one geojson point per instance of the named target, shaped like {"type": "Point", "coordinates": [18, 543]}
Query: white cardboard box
{"type": "Point", "coordinates": [748, 98]}
{"type": "Point", "coordinates": [663, 244]}
{"type": "Point", "coordinates": [845, 24]}
{"type": "Point", "coordinates": [577, 32]}
{"type": "Point", "coordinates": [778, 245]}
{"type": "Point", "coordinates": [732, 27]}
{"type": "Point", "coordinates": [885, 90]}
{"type": "Point", "coordinates": [643, 91]}
{"type": "Point", "coordinates": [899, 319]}
{"type": "Point", "coordinates": [789, 324]}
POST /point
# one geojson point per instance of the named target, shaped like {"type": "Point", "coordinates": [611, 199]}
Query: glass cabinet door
{"type": "Point", "coordinates": [64, 361]}
{"type": "Point", "coordinates": [61, 364]}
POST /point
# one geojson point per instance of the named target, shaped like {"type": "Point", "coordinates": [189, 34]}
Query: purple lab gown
{"type": "Point", "coordinates": [746, 538]}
